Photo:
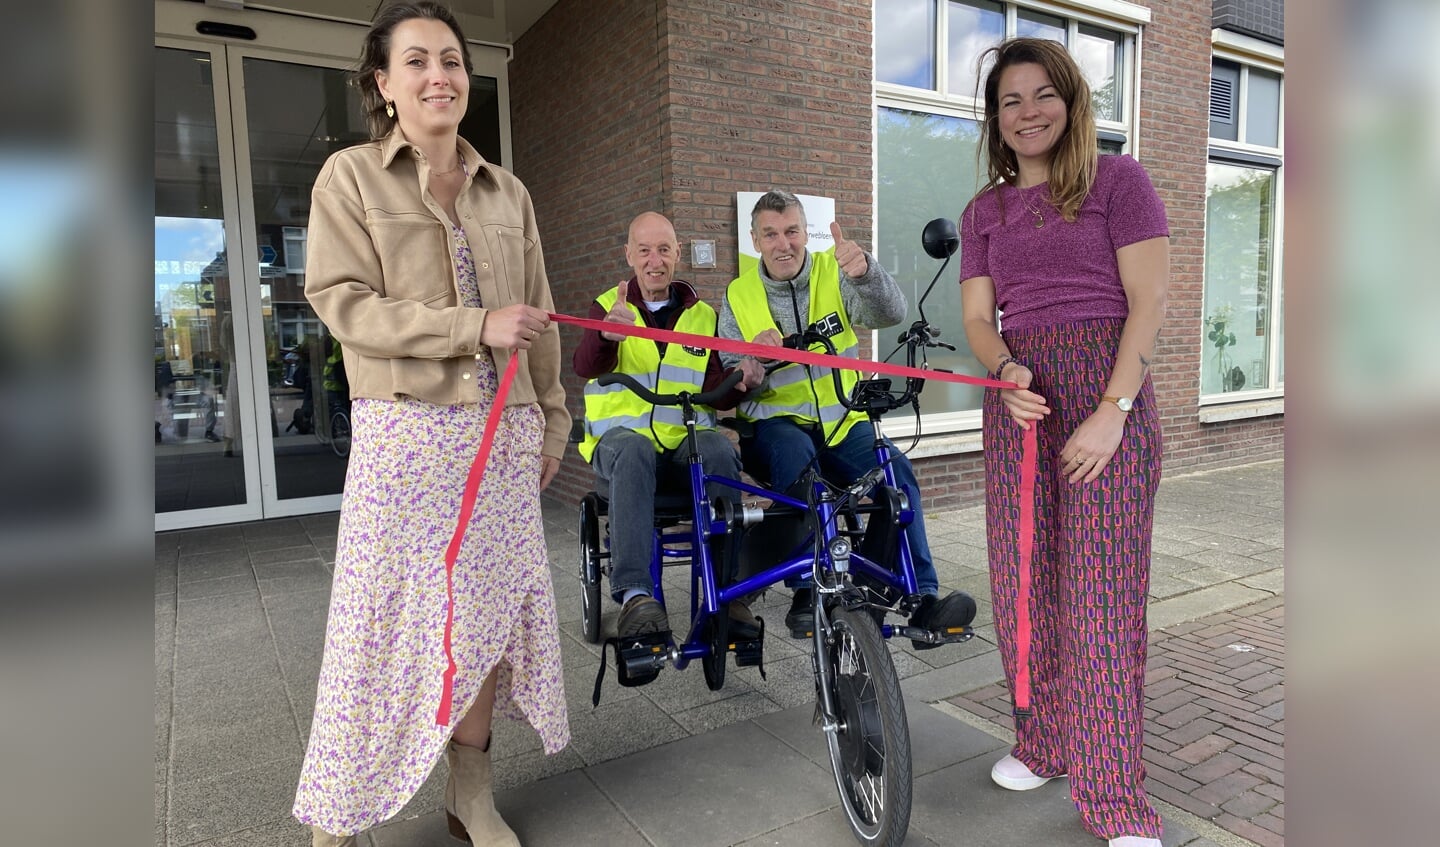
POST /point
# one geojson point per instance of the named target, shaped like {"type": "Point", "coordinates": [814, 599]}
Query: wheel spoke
{"type": "Point", "coordinates": [871, 755]}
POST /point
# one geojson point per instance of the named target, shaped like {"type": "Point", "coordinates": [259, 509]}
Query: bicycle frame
{"type": "Point", "coordinates": [708, 599]}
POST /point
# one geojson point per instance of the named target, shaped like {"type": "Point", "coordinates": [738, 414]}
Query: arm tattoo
{"type": "Point", "coordinates": [1145, 360]}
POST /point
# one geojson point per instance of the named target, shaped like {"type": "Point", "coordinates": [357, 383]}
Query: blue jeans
{"type": "Point", "coordinates": [781, 449]}
{"type": "Point", "coordinates": [630, 471]}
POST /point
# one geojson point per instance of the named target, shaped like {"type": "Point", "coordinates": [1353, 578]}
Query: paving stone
{"type": "Point", "coordinates": [1202, 749]}
{"type": "Point", "coordinates": [704, 775]}
{"type": "Point", "coordinates": [1201, 606]}
{"type": "Point", "coordinates": [228, 804]}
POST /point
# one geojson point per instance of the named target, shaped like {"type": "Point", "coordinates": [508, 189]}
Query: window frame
{"type": "Point", "coordinates": [1248, 53]}
{"type": "Point", "coordinates": [1127, 20]}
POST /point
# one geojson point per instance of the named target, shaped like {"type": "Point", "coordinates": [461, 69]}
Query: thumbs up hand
{"type": "Point", "coordinates": [848, 254]}
{"type": "Point", "coordinates": [619, 313]}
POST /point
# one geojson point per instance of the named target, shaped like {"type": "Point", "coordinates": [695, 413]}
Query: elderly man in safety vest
{"type": "Point", "coordinates": [635, 447]}
{"type": "Point", "coordinates": [797, 416]}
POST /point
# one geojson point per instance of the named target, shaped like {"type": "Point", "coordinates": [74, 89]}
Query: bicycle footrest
{"type": "Point", "coordinates": [935, 637]}
{"type": "Point", "coordinates": [751, 652]}
{"type": "Point", "coordinates": [638, 660]}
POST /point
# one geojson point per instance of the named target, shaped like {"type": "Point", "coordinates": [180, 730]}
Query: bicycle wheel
{"type": "Point", "coordinates": [340, 434]}
{"type": "Point", "coordinates": [590, 567]}
{"type": "Point", "coordinates": [717, 639]}
{"type": "Point", "coordinates": [870, 752]}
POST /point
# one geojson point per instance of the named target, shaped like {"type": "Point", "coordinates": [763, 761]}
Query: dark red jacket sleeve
{"type": "Point", "coordinates": [595, 356]}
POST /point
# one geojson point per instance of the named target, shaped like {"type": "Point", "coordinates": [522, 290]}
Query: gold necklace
{"type": "Point", "coordinates": [459, 161]}
{"type": "Point", "coordinates": [1039, 217]}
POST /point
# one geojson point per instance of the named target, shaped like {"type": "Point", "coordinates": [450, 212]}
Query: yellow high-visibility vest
{"type": "Point", "coordinates": [681, 369]}
{"type": "Point", "coordinates": [793, 390]}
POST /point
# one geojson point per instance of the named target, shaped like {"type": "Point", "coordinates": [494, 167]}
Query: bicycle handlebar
{"type": "Point", "coordinates": [706, 398]}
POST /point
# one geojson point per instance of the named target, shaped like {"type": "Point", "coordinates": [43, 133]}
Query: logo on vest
{"type": "Point", "coordinates": [695, 351]}
{"type": "Point", "coordinates": [830, 325]}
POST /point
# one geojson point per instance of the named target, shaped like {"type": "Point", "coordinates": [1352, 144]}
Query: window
{"type": "Point", "coordinates": [1243, 322]}
{"type": "Point", "coordinates": [295, 237]}
{"type": "Point", "coordinates": [927, 132]}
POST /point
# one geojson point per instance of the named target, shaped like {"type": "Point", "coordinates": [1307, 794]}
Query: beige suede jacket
{"type": "Point", "coordinates": [380, 274]}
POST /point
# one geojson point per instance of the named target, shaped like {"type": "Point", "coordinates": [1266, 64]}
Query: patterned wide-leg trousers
{"type": "Point", "coordinates": [1090, 577]}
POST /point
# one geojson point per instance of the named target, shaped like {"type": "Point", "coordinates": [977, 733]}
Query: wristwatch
{"type": "Point", "coordinates": [1125, 403]}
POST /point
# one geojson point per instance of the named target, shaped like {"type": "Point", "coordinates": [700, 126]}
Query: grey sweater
{"type": "Point", "coordinates": [873, 301]}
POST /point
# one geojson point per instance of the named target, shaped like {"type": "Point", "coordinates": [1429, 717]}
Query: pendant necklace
{"type": "Point", "coordinates": [1039, 218]}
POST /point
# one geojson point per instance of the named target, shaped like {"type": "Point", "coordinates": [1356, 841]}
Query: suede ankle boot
{"type": "Point", "coordinates": [470, 799]}
{"type": "Point", "coordinates": [321, 838]}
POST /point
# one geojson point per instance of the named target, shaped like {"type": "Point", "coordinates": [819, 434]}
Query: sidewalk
{"type": "Point", "coordinates": [240, 616]}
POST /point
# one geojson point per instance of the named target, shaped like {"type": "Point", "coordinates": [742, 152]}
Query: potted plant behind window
{"type": "Point", "coordinates": [1232, 377]}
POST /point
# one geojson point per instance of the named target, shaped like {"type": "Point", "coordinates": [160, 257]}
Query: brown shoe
{"type": "Point", "coordinates": [641, 616]}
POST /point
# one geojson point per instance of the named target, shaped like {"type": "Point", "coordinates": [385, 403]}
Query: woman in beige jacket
{"type": "Point", "coordinates": [425, 263]}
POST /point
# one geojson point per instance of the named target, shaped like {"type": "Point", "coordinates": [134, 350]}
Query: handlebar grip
{"type": "Point", "coordinates": [708, 398]}
{"type": "Point", "coordinates": [634, 385]}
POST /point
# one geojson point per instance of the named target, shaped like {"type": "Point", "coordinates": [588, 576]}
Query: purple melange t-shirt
{"type": "Point", "coordinates": [1061, 272]}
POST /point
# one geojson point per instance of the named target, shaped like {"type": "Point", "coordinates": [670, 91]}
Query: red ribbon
{"type": "Point", "coordinates": [745, 348]}
{"type": "Point", "coordinates": [467, 507]}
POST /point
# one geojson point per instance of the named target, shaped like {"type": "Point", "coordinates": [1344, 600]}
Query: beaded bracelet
{"type": "Point", "coordinates": [1000, 368]}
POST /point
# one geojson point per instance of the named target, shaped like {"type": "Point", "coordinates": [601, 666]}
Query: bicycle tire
{"type": "Point", "coordinates": [717, 639]}
{"type": "Point", "coordinates": [340, 434]}
{"type": "Point", "coordinates": [590, 567]}
{"type": "Point", "coordinates": [870, 753]}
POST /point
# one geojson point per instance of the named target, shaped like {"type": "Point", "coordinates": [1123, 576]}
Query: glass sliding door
{"type": "Point", "coordinates": [295, 116]}
{"type": "Point", "coordinates": [198, 409]}
{"type": "Point", "coordinates": [249, 390]}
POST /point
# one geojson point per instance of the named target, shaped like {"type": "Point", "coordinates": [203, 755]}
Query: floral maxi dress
{"type": "Point", "coordinates": [374, 739]}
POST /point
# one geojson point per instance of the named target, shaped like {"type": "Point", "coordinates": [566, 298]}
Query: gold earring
{"type": "Point", "coordinates": [390, 108]}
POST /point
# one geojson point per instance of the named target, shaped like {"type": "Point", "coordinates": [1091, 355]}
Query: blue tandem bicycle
{"type": "Point", "coordinates": [854, 550]}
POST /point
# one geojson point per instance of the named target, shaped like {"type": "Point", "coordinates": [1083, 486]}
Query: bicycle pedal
{"type": "Point", "coordinates": [641, 661]}
{"type": "Point", "coordinates": [637, 662]}
{"type": "Point", "coordinates": [929, 639]}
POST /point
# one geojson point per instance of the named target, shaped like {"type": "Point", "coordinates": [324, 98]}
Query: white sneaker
{"type": "Point", "coordinates": [1011, 773]}
{"type": "Point", "coordinates": [1134, 841]}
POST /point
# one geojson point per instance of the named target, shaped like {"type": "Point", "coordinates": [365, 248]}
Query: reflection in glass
{"type": "Point", "coordinates": [1097, 51]}
{"type": "Point", "coordinates": [1239, 255]}
{"type": "Point", "coordinates": [1036, 25]}
{"type": "Point", "coordinates": [905, 43]}
{"type": "Point", "coordinates": [927, 170]}
{"type": "Point", "coordinates": [197, 409]}
{"type": "Point", "coordinates": [974, 26]}
{"type": "Point", "coordinates": [297, 116]}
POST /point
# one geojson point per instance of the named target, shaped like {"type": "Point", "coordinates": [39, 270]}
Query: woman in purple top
{"type": "Point", "coordinates": [1072, 248]}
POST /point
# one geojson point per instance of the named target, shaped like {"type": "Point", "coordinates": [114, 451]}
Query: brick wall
{"type": "Point", "coordinates": [1174, 130]}
{"type": "Point", "coordinates": [620, 106]}
{"type": "Point", "coordinates": [1263, 19]}
{"type": "Point", "coordinates": [766, 93]}
{"type": "Point", "coordinates": [586, 102]}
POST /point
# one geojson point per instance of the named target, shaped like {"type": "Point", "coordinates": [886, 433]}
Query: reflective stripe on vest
{"type": "Point", "coordinates": [788, 391]}
{"type": "Point", "coordinates": [611, 406]}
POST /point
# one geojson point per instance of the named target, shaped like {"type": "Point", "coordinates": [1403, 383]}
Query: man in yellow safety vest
{"type": "Point", "coordinates": [635, 447]}
{"type": "Point", "coordinates": [798, 418]}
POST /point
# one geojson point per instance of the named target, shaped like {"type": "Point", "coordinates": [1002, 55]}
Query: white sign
{"type": "Point", "coordinates": [819, 214]}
